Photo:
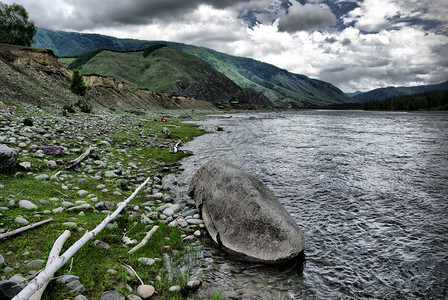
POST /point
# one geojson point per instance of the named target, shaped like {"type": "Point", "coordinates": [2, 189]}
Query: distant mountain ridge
{"type": "Point", "coordinates": [388, 92]}
{"type": "Point", "coordinates": [282, 88]}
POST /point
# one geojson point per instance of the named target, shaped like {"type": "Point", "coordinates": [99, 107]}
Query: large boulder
{"type": "Point", "coordinates": [243, 216]}
{"type": "Point", "coordinates": [8, 158]}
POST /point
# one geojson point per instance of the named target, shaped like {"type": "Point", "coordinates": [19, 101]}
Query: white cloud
{"type": "Point", "coordinates": [306, 17]}
{"type": "Point", "coordinates": [397, 51]}
{"type": "Point", "coordinates": [373, 15]}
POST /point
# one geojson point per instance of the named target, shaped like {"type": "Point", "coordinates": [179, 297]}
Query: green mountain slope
{"type": "Point", "coordinates": [385, 93]}
{"type": "Point", "coordinates": [163, 70]}
{"type": "Point", "coordinates": [283, 88]}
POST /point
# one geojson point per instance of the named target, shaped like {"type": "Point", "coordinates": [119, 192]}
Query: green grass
{"type": "Point", "coordinates": [90, 263]}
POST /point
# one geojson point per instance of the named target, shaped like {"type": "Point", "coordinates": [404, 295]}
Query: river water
{"type": "Point", "coordinates": [368, 189]}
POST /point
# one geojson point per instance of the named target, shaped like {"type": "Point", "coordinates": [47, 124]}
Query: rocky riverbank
{"type": "Point", "coordinates": [127, 149]}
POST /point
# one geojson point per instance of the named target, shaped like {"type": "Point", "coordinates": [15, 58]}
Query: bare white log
{"type": "Point", "coordinates": [174, 150]}
{"type": "Point", "coordinates": [145, 239]}
{"type": "Point", "coordinates": [54, 253]}
{"type": "Point", "coordinates": [49, 271]}
{"type": "Point", "coordinates": [76, 161]}
{"type": "Point", "coordinates": [21, 229]}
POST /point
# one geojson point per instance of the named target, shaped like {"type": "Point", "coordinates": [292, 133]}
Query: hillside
{"type": "Point", "coordinates": [35, 76]}
{"type": "Point", "coordinates": [283, 88]}
{"type": "Point", "coordinates": [162, 70]}
{"type": "Point", "coordinates": [385, 93]}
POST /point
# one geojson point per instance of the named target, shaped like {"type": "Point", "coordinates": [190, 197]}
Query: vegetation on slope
{"type": "Point", "coordinates": [434, 100]}
{"type": "Point", "coordinates": [283, 88]}
{"type": "Point", "coordinates": [162, 69]}
{"type": "Point", "coordinates": [388, 92]}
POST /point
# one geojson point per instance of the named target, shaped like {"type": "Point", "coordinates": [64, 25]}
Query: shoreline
{"type": "Point", "coordinates": [128, 148]}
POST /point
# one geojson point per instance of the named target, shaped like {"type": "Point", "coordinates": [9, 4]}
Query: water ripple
{"type": "Point", "coordinates": [369, 190]}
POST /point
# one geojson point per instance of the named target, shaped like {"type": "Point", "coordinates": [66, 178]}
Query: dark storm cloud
{"type": "Point", "coordinates": [306, 17]}
{"type": "Point", "coordinates": [88, 14]}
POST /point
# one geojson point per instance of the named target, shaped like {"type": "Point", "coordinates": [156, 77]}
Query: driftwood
{"type": "Point", "coordinates": [50, 269]}
{"type": "Point", "coordinates": [72, 163]}
{"type": "Point", "coordinates": [175, 148]}
{"type": "Point", "coordinates": [76, 161]}
{"type": "Point", "coordinates": [10, 233]}
{"type": "Point", "coordinates": [54, 253]}
{"type": "Point", "coordinates": [145, 239]}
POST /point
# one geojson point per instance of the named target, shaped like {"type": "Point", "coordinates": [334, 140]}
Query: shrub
{"type": "Point", "coordinates": [78, 86]}
{"type": "Point", "coordinates": [68, 108]}
{"type": "Point", "coordinates": [27, 122]}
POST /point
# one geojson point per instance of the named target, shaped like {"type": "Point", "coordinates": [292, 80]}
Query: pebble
{"type": "Point", "coordinates": [110, 174]}
{"type": "Point", "coordinates": [101, 244]}
{"type": "Point", "coordinates": [174, 288]}
{"type": "Point", "coordinates": [168, 212]}
{"type": "Point", "coordinates": [193, 285]}
{"type": "Point", "coordinates": [145, 290]}
{"type": "Point", "coordinates": [197, 234]}
{"type": "Point", "coordinates": [70, 224]}
{"type": "Point", "coordinates": [147, 261]}
{"type": "Point", "coordinates": [2, 260]}
{"type": "Point", "coordinates": [133, 297]}
{"type": "Point", "coordinates": [195, 221]}
{"type": "Point", "coordinates": [82, 193]}
{"type": "Point", "coordinates": [58, 210]}
{"type": "Point", "coordinates": [67, 278]}
{"type": "Point", "coordinates": [75, 287]}
{"type": "Point", "coordinates": [81, 297]}
{"type": "Point", "coordinates": [21, 220]}
{"type": "Point", "coordinates": [51, 164]}
{"type": "Point", "coordinates": [112, 295]}
{"type": "Point", "coordinates": [42, 176]}
{"type": "Point", "coordinates": [25, 165]}
{"type": "Point", "coordinates": [35, 263]}
{"type": "Point", "coordinates": [27, 204]}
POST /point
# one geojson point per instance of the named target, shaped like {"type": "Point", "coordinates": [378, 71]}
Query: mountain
{"type": "Point", "coordinates": [34, 76]}
{"type": "Point", "coordinates": [385, 93]}
{"type": "Point", "coordinates": [354, 94]}
{"type": "Point", "coordinates": [282, 88]}
{"type": "Point", "coordinates": [160, 69]}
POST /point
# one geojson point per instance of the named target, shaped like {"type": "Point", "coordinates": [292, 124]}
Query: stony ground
{"type": "Point", "coordinates": [128, 148]}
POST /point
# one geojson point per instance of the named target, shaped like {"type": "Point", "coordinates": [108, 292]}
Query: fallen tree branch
{"type": "Point", "coordinates": [49, 271]}
{"type": "Point", "coordinates": [54, 253]}
{"type": "Point", "coordinates": [76, 161]}
{"type": "Point", "coordinates": [145, 239]}
{"type": "Point", "coordinates": [16, 231]}
{"type": "Point", "coordinates": [174, 150]}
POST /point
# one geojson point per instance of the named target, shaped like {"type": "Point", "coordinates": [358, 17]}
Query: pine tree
{"type": "Point", "coordinates": [78, 86]}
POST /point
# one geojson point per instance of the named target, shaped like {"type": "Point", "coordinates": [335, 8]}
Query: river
{"type": "Point", "coordinates": [368, 189]}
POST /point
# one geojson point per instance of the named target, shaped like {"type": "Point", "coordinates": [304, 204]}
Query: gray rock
{"type": "Point", "coordinates": [168, 212]}
{"type": "Point", "coordinates": [10, 288]}
{"type": "Point", "coordinates": [243, 216]}
{"type": "Point", "coordinates": [75, 287]}
{"type": "Point", "coordinates": [51, 164]}
{"type": "Point", "coordinates": [8, 158]}
{"type": "Point", "coordinates": [174, 288]}
{"type": "Point", "coordinates": [2, 260]}
{"type": "Point", "coordinates": [147, 261]}
{"type": "Point", "coordinates": [193, 285]}
{"type": "Point", "coordinates": [110, 174]}
{"type": "Point", "coordinates": [111, 295]}
{"type": "Point", "coordinates": [42, 176]}
{"type": "Point", "coordinates": [21, 220]}
{"type": "Point", "coordinates": [70, 224]}
{"type": "Point", "coordinates": [81, 297]}
{"type": "Point", "coordinates": [27, 204]}
{"type": "Point", "coordinates": [25, 165]}
{"type": "Point", "coordinates": [133, 297]}
{"type": "Point", "coordinates": [101, 244]}
{"type": "Point", "coordinates": [35, 263]}
{"type": "Point", "coordinates": [7, 269]}
{"type": "Point", "coordinates": [82, 193]}
{"type": "Point", "coordinates": [50, 149]}
{"type": "Point", "coordinates": [67, 278]}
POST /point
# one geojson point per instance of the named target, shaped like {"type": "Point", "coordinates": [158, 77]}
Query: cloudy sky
{"type": "Point", "coordinates": [353, 44]}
